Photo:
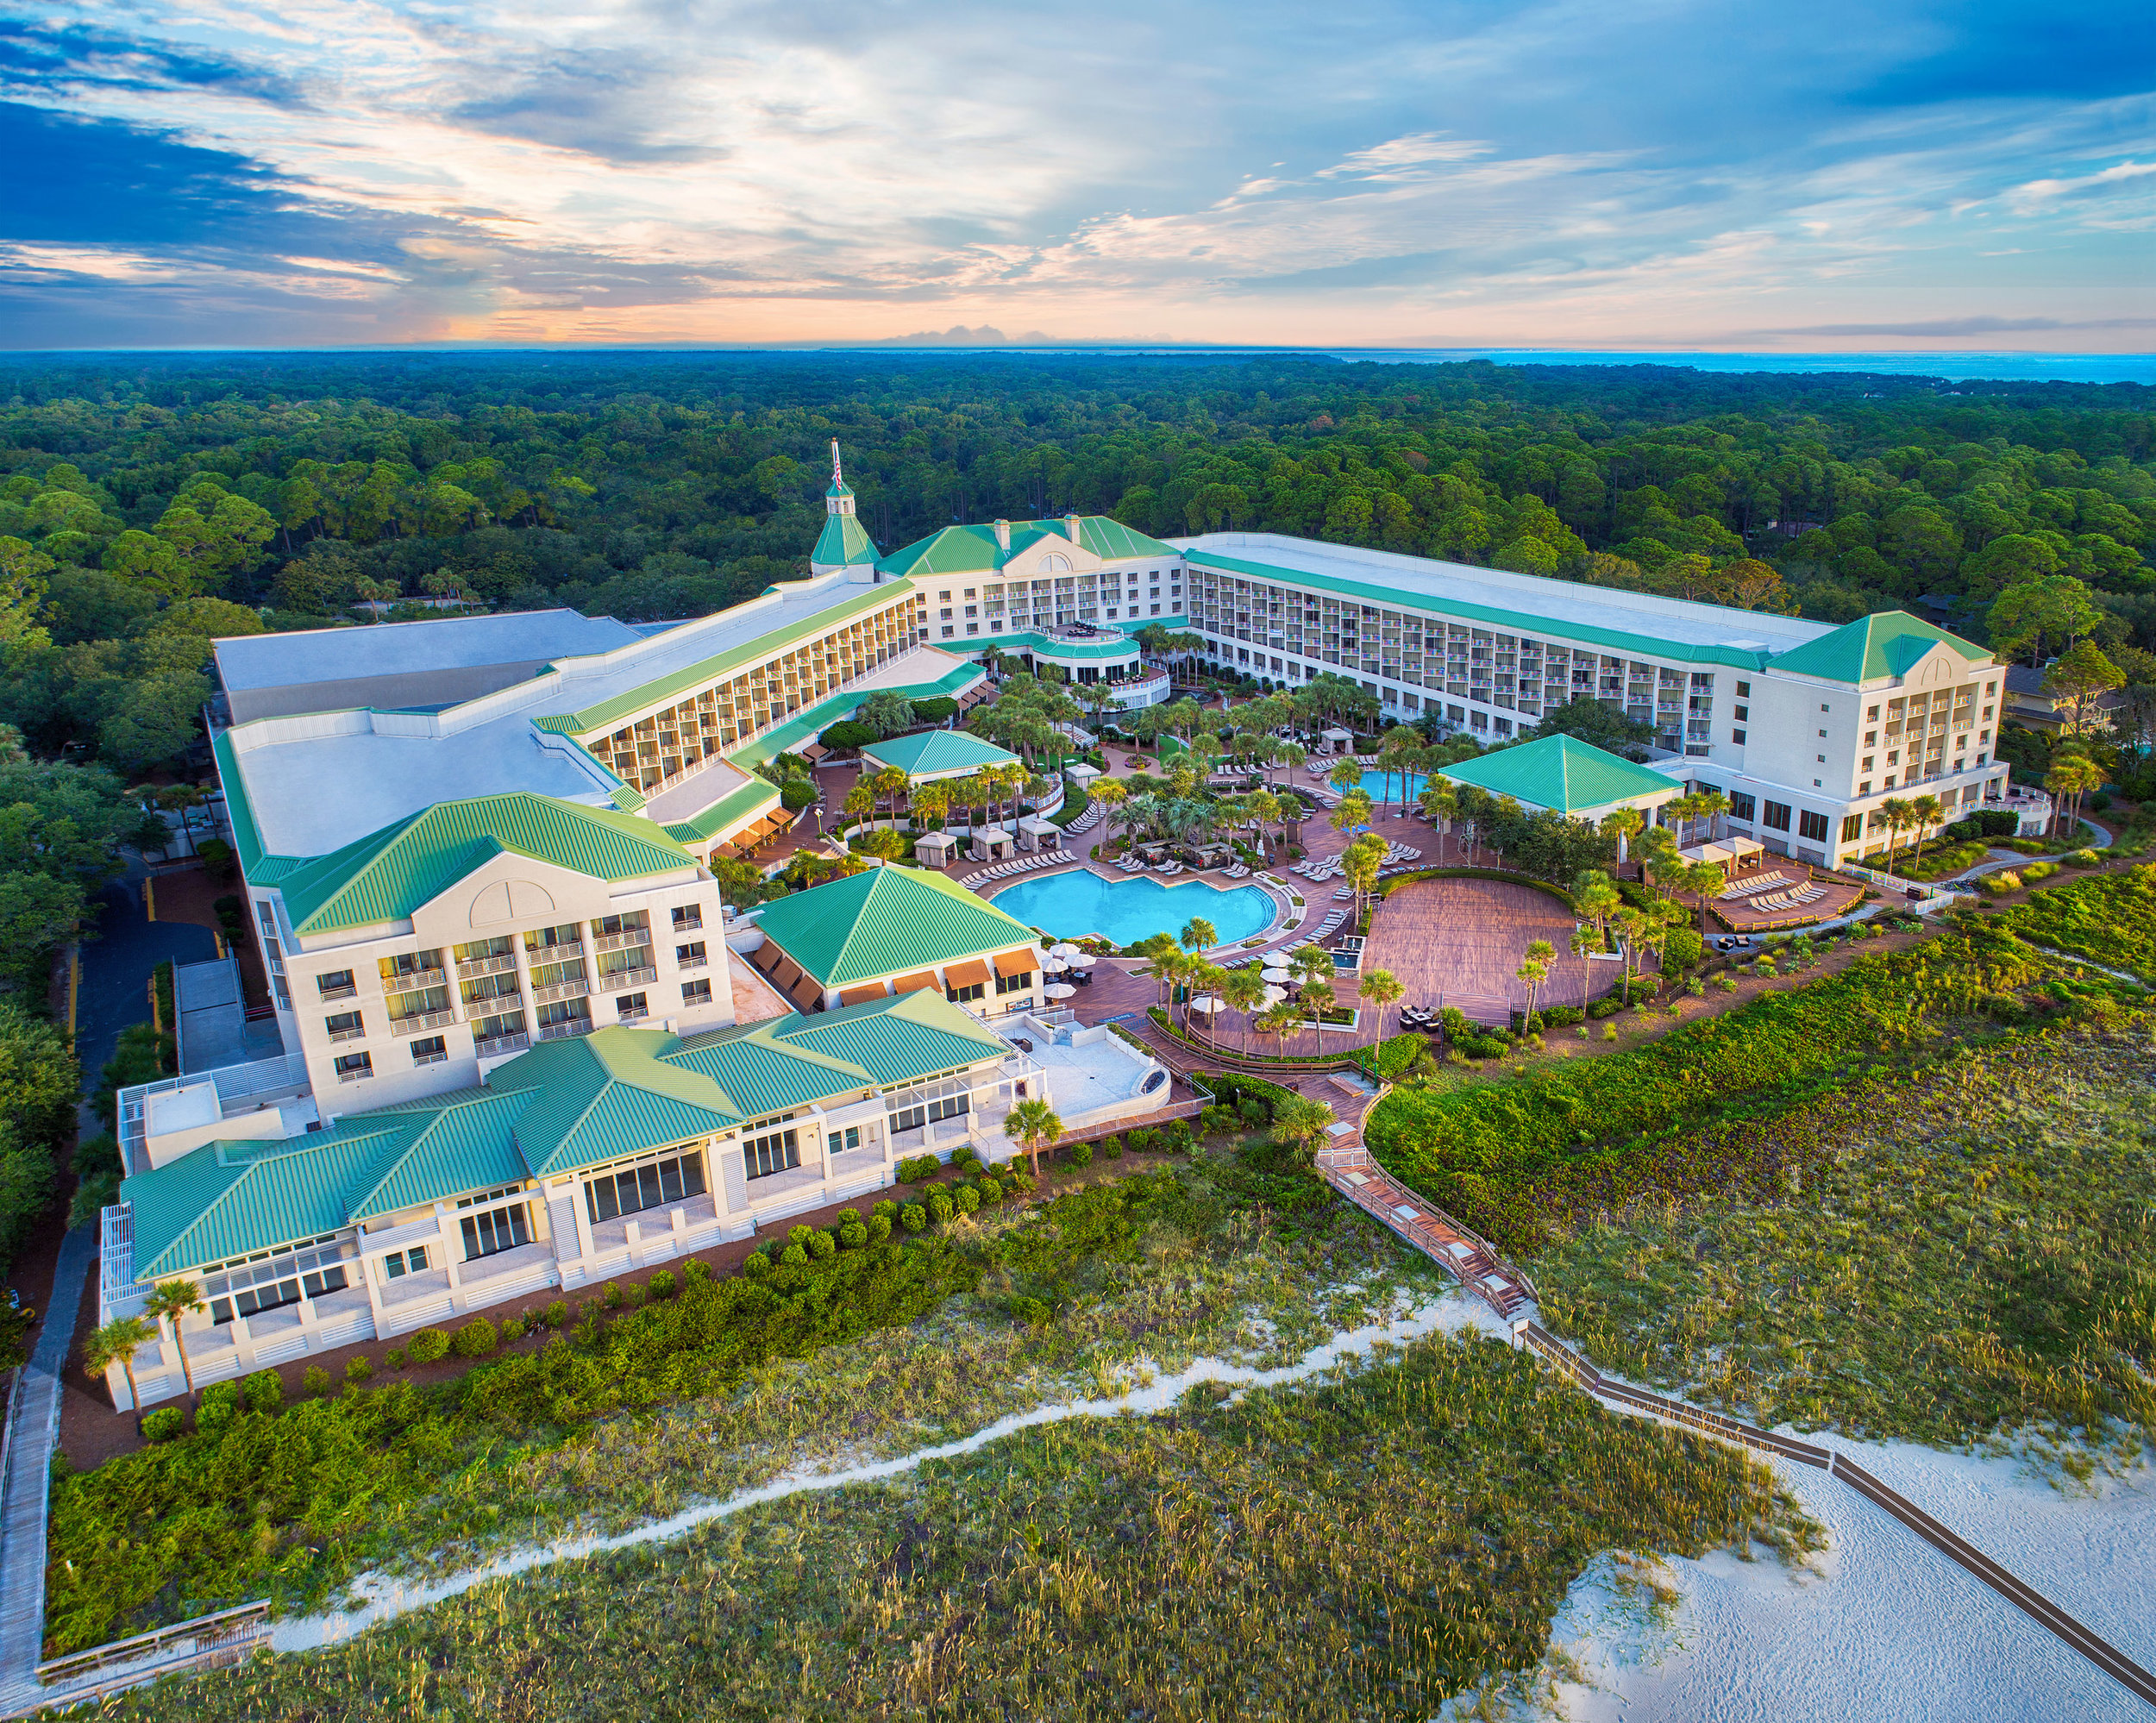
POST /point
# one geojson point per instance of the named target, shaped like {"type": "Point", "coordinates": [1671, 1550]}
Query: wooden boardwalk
{"type": "Point", "coordinates": [1443, 937]}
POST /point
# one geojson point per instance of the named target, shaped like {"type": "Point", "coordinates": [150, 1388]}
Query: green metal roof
{"type": "Point", "coordinates": [844, 542]}
{"type": "Point", "coordinates": [1873, 648]}
{"type": "Point", "coordinates": [657, 693]}
{"type": "Point", "coordinates": [973, 549]}
{"type": "Point", "coordinates": [813, 721]}
{"type": "Point", "coordinates": [606, 1094]}
{"type": "Point", "coordinates": [935, 753]}
{"type": "Point", "coordinates": [887, 921]}
{"type": "Point", "coordinates": [765, 1075]}
{"type": "Point", "coordinates": [1122, 651]}
{"type": "Point", "coordinates": [464, 1142]}
{"type": "Point", "coordinates": [1562, 772]}
{"type": "Point", "coordinates": [387, 875]}
{"type": "Point", "coordinates": [898, 1039]}
{"type": "Point", "coordinates": [736, 807]}
{"type": "Point", "coordinates": [1524, 622]}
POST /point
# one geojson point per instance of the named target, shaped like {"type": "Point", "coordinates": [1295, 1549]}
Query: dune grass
{"type": "Point", "coordinates": [1960, 1253]}
{"type": "Point", "coordinates": [1365, 1548]}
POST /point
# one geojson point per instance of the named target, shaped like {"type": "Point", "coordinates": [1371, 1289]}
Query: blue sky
{"type": "Point", "coordinates": [239, 173]}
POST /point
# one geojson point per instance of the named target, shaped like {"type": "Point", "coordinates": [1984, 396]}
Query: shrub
{"type": "Point", "coordinates": [965, 1154]}
{"type": "Point", "coordinates": [822, 1246]}
{"type": "Point", "coordinates": [756, 1265]}
{"type": "Point", "coordinates": [262, 1392]}
{"type": "Point", "coordinates": [1178, 1137]}
{"type": "Point", "coordinates": [394, 1358]}
{"type": "Point", "coordinates": [614, 1295]}
{"type": "Point", "coordinates": [1562, 1016]}
{"type": "Point", "coordinates": [557, 1314]}
{"type": "Point", "coordinates": [1020, 1183]}
{"type": "Point", "coordinates": [513, 1328]}
{"type": "Point", "coordinates": [1145, 1139]}
{"type": "Point", "coordinates": [852, 1236]}
{"type": "Point", "coordinates": [163, 1425]}
{"type": "Point", "coordinates": [794, 1257]}
{"type": "Point", "coordinates": [799, 1233]}
{"type": "Point", "coordinates": [316, 1379]}
{"type": "Point", "coordinates": [878, 1228]}
{"type": "Point", "coordinates": [428, 1345]}
{"type": "Point", "coordinates": [887, 1209]}
{"type": "Point", "coordinates": [847, 1215]}
{"type": "Point", "coordinates": [1079, 1154]}
{"type": "Point", "coordinates": [696, 1271]}
{"type": "Point", "coordinates": [1609, 1032]}
{"type": "Point", "coordinates": [990, 1190]}
{"type": "Point", "coordinates": [662, 1284]}
{"type": "Point", "coordinates": [940, 1206]}
{"type": "Point", "coordinates": [914, 1217]}
{"type": "Point", "coordinates": [359, 1369]}
{"type": "Point", "coordinates": [476, 1339]}
{"type": "Point", "coordinates": [2037, 870]}
{"type": "Point", "coordinates": [1999, 884]}
{"type": "Point", "coordinates": [916, 1168]}
{"type": "Point", "coordinates": [1682, 949]}
{"type": "Point", "coordinates": [2084, 858]}
{"type": "Point", "coordinates": [966, 1198]}
{"type": "Point", "coordinates": [635, 1294]}
{"type": "Point", "coordinates": [935, 1187]}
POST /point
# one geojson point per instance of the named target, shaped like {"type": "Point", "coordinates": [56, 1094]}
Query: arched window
{"type": "Point", "coordinates": [1053, 564]}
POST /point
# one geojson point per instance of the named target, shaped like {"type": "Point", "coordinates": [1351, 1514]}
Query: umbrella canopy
{"type": "Point", "coordinates": [1274, 996]}
{"type": "Point", "coordinates": [1059, 990]}
{"type": "Point", "coordinates": [1208, 1004]}
{"type": "Point", "coordinates": [1065, 948]}
{"type": "Point", "coordinates": [1082, 960]}
{"type": "Point", "coordinates": [1055, 966]}
{"type": "Point", "coordinates": [1275, 971]}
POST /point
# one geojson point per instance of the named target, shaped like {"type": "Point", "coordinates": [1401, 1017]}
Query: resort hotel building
{"type": "Point", "coordinates": [515, 1040]}
{"type": "Point", "coordinates": [1807, 728]}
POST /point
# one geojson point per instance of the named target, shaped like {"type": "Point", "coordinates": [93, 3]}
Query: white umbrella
{"type": "Point", "coordinates": [1208, 1004]}
{"type": "Point", "coordinates": [1275, 972]}
{"type": "Point", "coordinates": [1274, 996]}
{"type": "Point", "coordinates": [1054, 966]}
{"type": "Point", "coordinates": [1083, 959]}
{"type": "Point", "coordinates": [1059, 990]}
{"type": "Point", "coordinates": [1065, 950]}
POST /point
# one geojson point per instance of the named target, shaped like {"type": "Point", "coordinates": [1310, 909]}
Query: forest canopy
{"type": "Point", "coordinates": [150, 503]}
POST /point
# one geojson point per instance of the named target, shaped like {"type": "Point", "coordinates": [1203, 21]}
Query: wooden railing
{"type": "Point", "coordinates": [224, 1636]}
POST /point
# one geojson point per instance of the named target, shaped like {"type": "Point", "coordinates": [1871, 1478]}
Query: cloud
{"type": "Point", "coordinates": [733, 170]}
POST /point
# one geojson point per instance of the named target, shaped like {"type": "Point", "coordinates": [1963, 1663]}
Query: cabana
{"type": "Point", "coordinates": [991, 843]}
{"type": "Point", "coordinates": [1339, 740]}
{"type": "Point", "coordinates": [1036, 833]}
{"type": "Point", "coordinates": [934, 849]}
{"type": "Point", "coordinates": [1080, 774]}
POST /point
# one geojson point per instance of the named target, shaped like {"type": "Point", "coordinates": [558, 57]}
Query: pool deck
{"type": "Point", "coordinates": [1283, 907]}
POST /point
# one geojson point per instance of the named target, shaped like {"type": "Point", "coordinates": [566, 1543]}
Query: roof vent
{"type": "Point", "coordinates": [1003, 534]}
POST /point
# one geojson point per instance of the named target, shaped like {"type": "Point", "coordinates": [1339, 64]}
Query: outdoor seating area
{"type": "Point", "coordinates": [1398, 856]}
{"type": "Point", "coordinates": [1008, 870]}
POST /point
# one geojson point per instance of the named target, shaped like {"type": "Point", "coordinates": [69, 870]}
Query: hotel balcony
{"type": "Point", "coordinates": [627, 978]}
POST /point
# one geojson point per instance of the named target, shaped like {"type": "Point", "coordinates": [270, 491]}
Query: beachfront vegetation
{"type": "Point", "coordinates": [1368, 1546]}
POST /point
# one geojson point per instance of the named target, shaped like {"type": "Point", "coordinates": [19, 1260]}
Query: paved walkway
{"type": "Point", "coordinates": [33, 1429]}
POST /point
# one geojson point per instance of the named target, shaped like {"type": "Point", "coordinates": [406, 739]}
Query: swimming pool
{"type": "Point", "coordinates": [1378, 789]}
{"type": "Point", "coordinates": [1067, 906]}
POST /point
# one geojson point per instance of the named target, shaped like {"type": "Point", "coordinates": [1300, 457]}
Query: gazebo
{"type": "Point", "coordinates": [1339, 740]}
{"type": "Point", "coordinates": [1036, 833]}
{"type": "Point", "coordinates": [1080, 774]}
{"type": "Point", "coordinates": [991, 844]}
{"type": "Point", "coordinates": [934, 849]}
{"type": "Point", "coordinates": [1727, 852]}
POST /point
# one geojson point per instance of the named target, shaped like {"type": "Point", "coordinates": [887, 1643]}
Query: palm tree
{"type": "Point", "coordinates": [1033, 1125]}
{"type": "Point", "coordinates": [1898, 818]}
{"type": "Point", "coordinates": [176, 1300]}
{"type": "Point", "coordinates": [1535, 969]}
{"type": "Point", "coordinates": [1632, 925]}
{"type": "Point", "coordinates": [890, 784]}
{"type": "Point", "coordinates": [116, 1344]}
{"type": "Point", "coordinates": [1313, 969]}
{"type": "Point", "coordinates": [1440, 806]}
{"type": "Point", "coordinates": [1383, 989]}
{"type": "Point", "coordinates": [1706, 879]}
{"type": "Point", "coordinates": [1585, 940]}
{"type": "Point", "coordinates": [1277, 1020]}
{"type": "Point", "coordinates": [1712, 804]}
{"type": "Point", "coordinates": [931, 803]}
{"type": "Point", "coordinates": [2073, 776]}
{"type": "Point", "coordinates": [1346, 775]}
{"type": "Point", "coordinates": [1624, 825]}
{"type": "Point", "coordinates": [1245, 990]}
{"type": "Point", "coordinates": [1360, 862]}
{"type": "Point", "coordinates": [1298, 1122]}
{"type": "Point", "coordinates": [1198, 935]}
{"type": "Point", "coordinates": [1926, 813]}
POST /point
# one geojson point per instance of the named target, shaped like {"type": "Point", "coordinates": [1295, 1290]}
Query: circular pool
{"type": "Point", "coordinates": [1068, 906]}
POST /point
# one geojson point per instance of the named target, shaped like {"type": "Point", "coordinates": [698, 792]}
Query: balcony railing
{"type": "Point", "coordinates": [616, 942]}
{"type": "Point", "coordinates": [636, 1016]}
{"type": "Point", "coordinates": [347, 991]}
{"type": "Point", "coordinates": [486, 966]}
{"type": "Point", "coordinates": [561, 1031]}
{"type": "Point", "coordinates": [554, 950]}
{"type": "Point", "coordinates": [627, 978]}
{"type": "Point", "coordinates": [359, 1034]}
{"type": "Point", "coordinates": [494, 1005]}
{"type": "Point", "coordinates": [357, 1076]}
{"type": "Point", "coordinates": [433, 1058]}
{"type": "Point", "coordinates": [502, 1043]}
{"type": "Point", "coordinates": [689, 963]}
{"type": "Point", "coordinates": [415, 982]}
{"type": "Point", "coordinates": [560, 990]}
{"type": "Point", "coordinates": [421, 1023]}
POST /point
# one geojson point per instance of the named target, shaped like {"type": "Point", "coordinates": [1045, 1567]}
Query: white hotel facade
{"type": "Point", "coordinates": [1807, 727]}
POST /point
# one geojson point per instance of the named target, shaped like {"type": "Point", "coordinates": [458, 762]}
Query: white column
{"type": "Point", "coordinates": [450, 1255]}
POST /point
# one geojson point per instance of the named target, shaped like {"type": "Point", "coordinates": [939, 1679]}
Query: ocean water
{"type": "Point", "coordinates": [1067, 906]}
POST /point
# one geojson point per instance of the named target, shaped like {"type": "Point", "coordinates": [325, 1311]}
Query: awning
{"type": "Point", "coordinates": [786, 973]}
{"type": "Point", "coordinates": [1023, 961]}
{"type": "Point", "coordinates": [973, 973]}
{"type": "Point", "coordinates": [914, 984]}
{"type": "Point", "coordinates": [767, 956]}
{"type": "Point", "coordinates": [812, 750]}
{"type": "Point", "coordinates": [806, 991]}
{"type": "Point", "coordinates": [861, 995]}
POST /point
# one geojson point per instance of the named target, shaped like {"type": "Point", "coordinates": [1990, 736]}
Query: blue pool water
{"type": "Point", "coordinates": [1375, 788]}
{"type": "Point", "coordinates": [1067, 906]}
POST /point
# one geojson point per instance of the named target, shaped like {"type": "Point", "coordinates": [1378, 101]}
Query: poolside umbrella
{"type": "Point", "coordinates": [1275, 972]}
{"type": "Point", "coordinates": [1055, 966]}
{"type": "Point", "coordinates": [1206, 1003]}
{"type": "Point", "coordinates": [1274, 996]}
{"type": "Point", "coordinates": [1065, 950]}
{"type": "Point", "coordinates": [1059, 990]}
{"type": "Point", "coordinates": [1083, 959]}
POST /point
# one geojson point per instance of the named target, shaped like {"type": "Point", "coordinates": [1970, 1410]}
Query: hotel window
{"type": "Point", "coordinates": [696, 992]}
{"type": "Point", "coordinates": [496, 1229]}
{"type": "Point", "coordinates": [691, 955]}
{"type": "Point", "coordinates": [1744, 691]}
{"type": "Point", "coordinates": [630, 1006]}
{"type": "Point", "coordinates": [398, 1263]}
{"type": "Point", "coordinates": [1865, 788]}
{"type": "Point", "coordinates": [688, 918]}
{"type": "Point", "coordinates": [271, 1279]}
{"type": "Point", "coordinates": [346, 1025]}
{"type": "Point", "coordinates": [1852, 828]}
{"type": "Point", "coordinates": [431, 1050]}
{"type": "Point", "coordinates": [1811, 826]}
{"type": "Point", "coordinates": [965, 995]}
{"type": "Point", "coordinates": [354, 1066]}
{"type": "Point", "coordinates": [1737, 736]}
{"type": "Point", "coordinates": [1776, 816]}
{"type": "Point", "coordinates": [336, 985]}
{"type": "Point", "coordinates": [774, 1152]}
{"type": "Point", "coordinates": [1744, 714]}
{"type": "Point", "coordinates": [842, 1140]}
{"type": "Point", "coordinates": [633, 1189]}
{"type": "Point", "coordinates": [1741, 806]}
{"type": "Point", "coordinates": [1020, 983]}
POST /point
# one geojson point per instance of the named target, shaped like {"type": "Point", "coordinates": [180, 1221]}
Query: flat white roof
{"type": "Point", "coordinates": [1535, 600]}
{"type": "Point", "coordinates": [338, 655]}
{"type": "Point", "coordinates": [317, 782]}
